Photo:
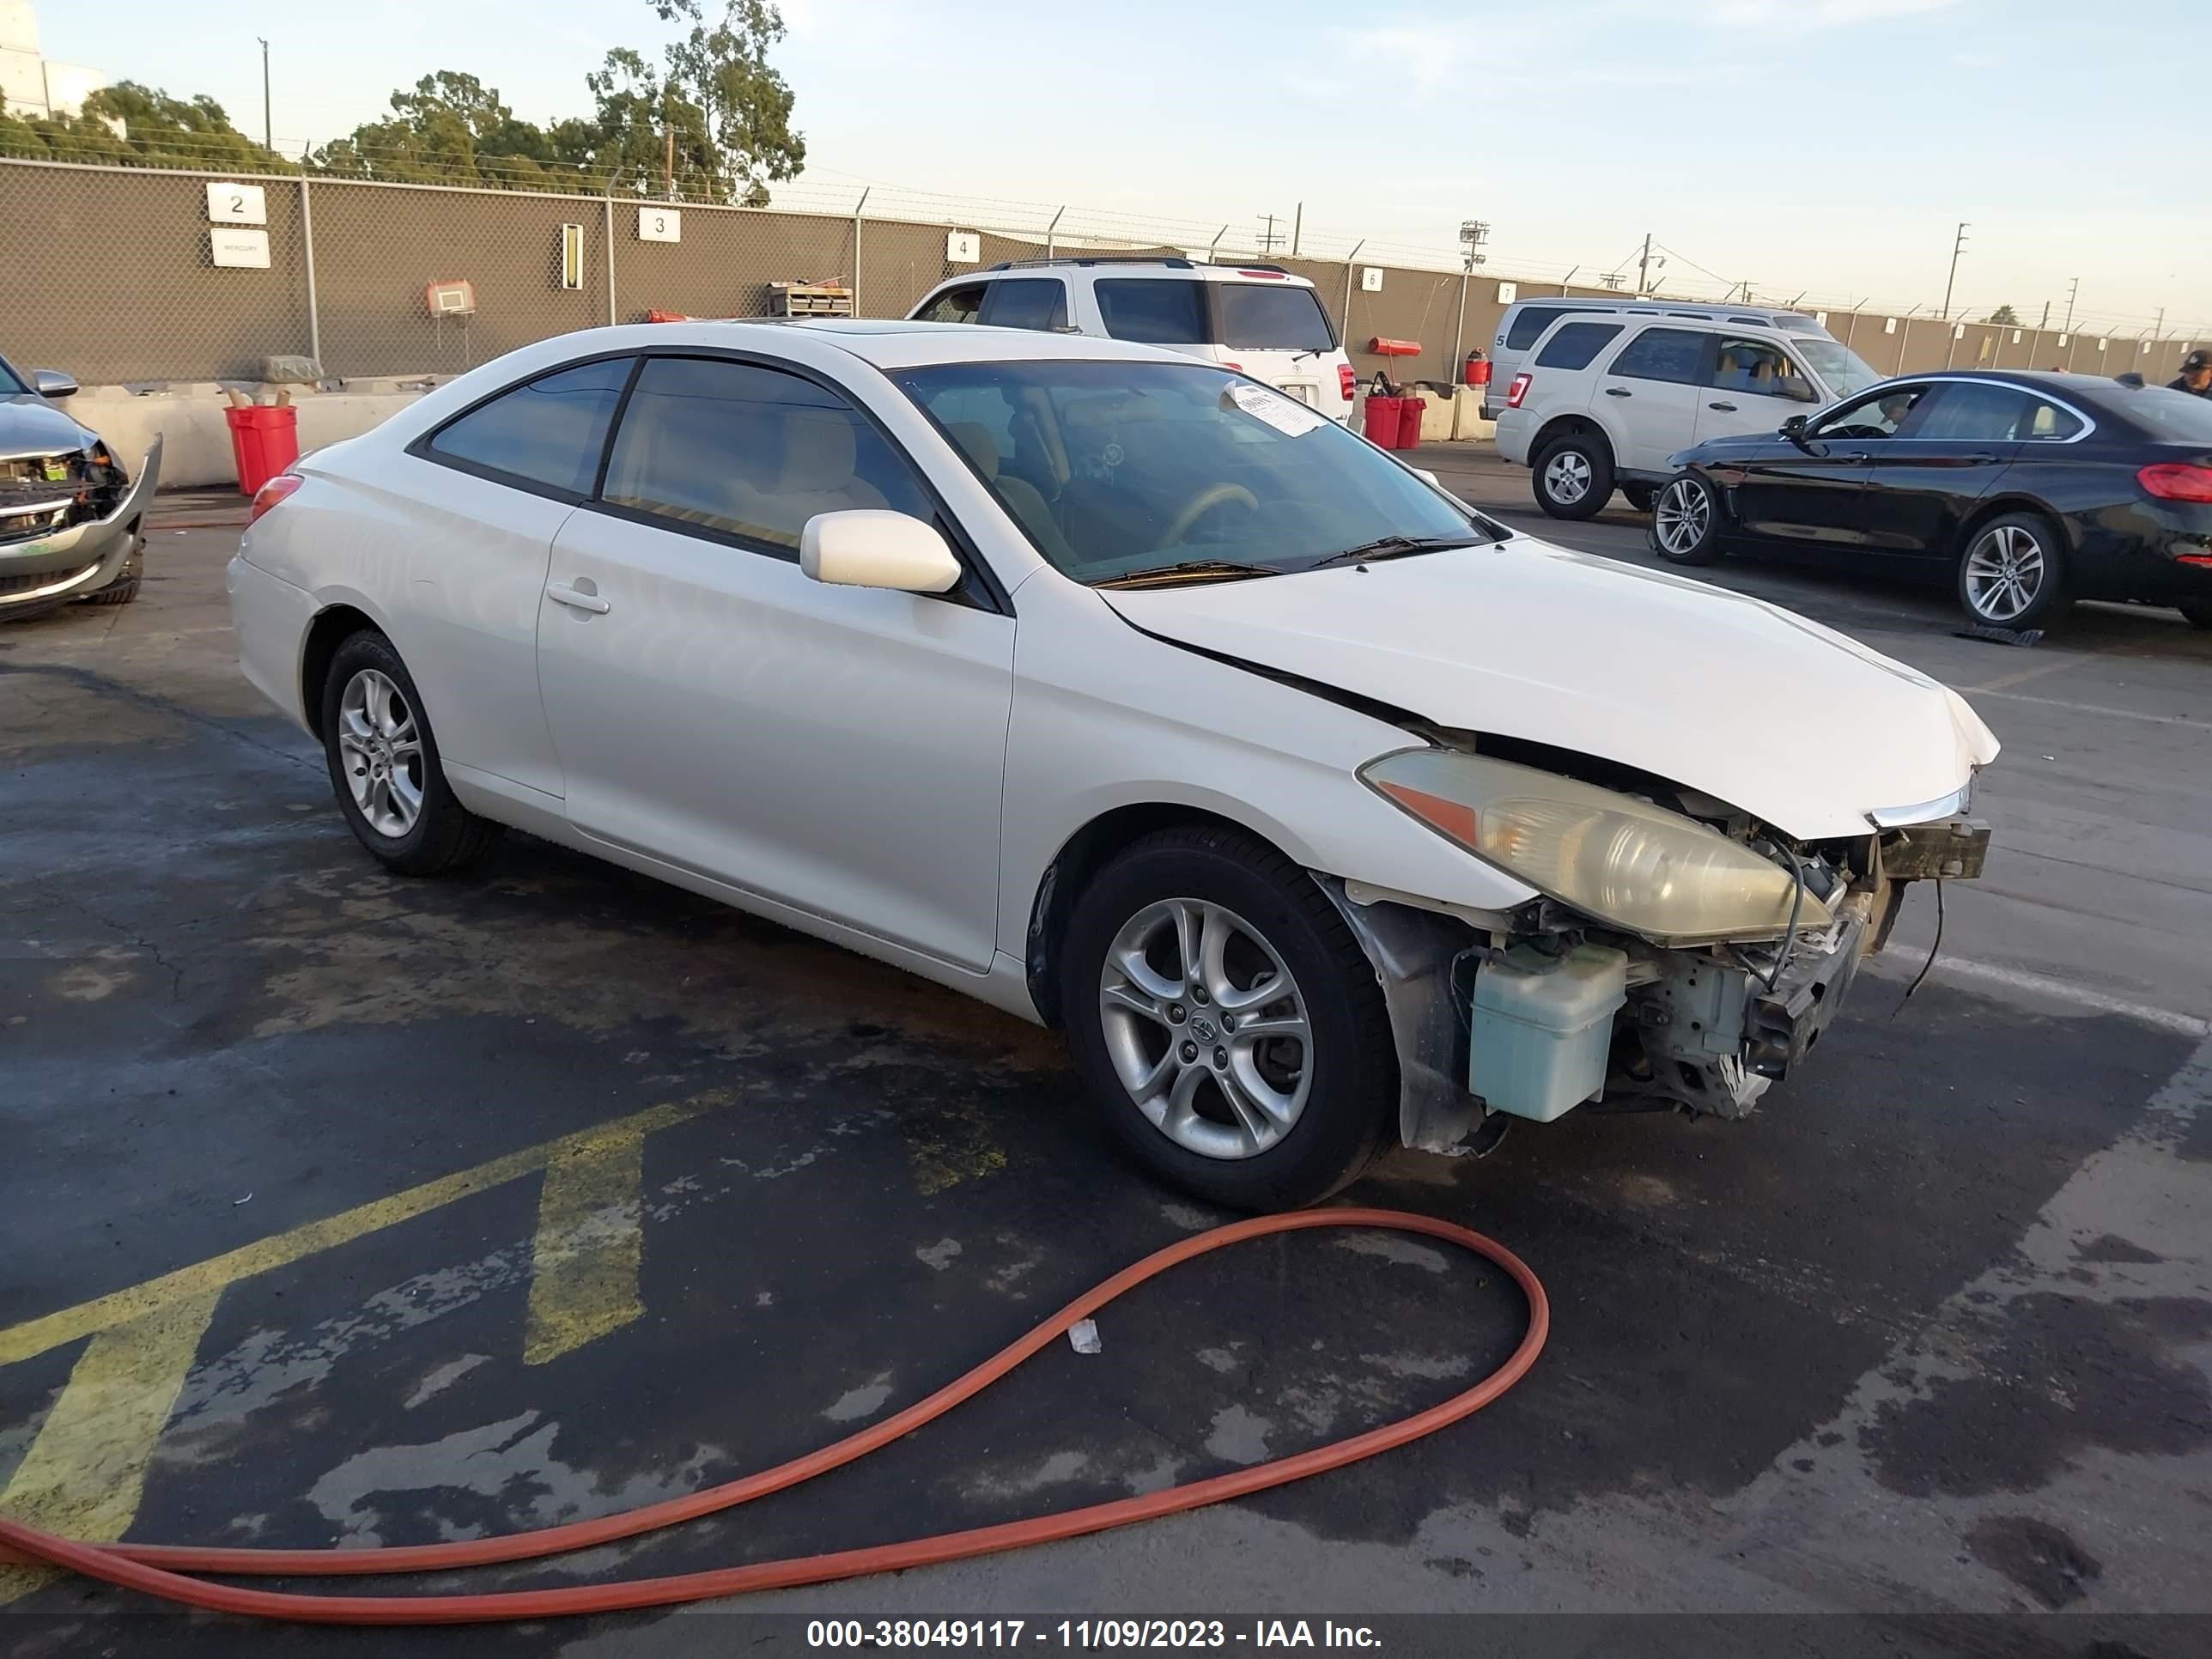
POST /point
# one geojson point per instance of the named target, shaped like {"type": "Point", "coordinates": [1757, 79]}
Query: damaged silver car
{"type": "Point", "coordinates": [71, 515]}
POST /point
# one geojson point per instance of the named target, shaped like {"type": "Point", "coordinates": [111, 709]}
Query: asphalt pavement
{"type": "Point", "coordinates": [343, 1209]}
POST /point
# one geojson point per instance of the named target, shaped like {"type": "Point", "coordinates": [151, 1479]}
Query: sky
{"type": "Point", "coordinates": [1829, 147]}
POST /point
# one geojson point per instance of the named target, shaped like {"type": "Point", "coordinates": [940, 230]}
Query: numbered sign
{"type": "Point", "coordinates": [963, 247]}
{"type": "Point", "coordinates": [242, 250]}
{"type": "Point", "coordinates": [1370, 279]}
{"type": "Point", "coordinates": [237, 204]}
{"type": "Point", "coordinates": [660, 224]}
{"type": "Point", "coordinates": [1508, 292]}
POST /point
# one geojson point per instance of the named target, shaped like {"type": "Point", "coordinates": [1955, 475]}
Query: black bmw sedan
{"type": "Point", "coordinates": [2026, 491]}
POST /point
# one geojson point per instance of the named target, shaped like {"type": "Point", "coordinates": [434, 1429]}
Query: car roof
{"type": "Point", "coordinates": [1705, 310]}
{"type": "Point", "coordinates": [2032, 380]}
{"type": "Point", "coordinates": [1164, 267]}
{"type": "Point", "coordinates": [893, 343]}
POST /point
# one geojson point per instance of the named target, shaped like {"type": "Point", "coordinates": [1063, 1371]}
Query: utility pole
{"type": "Point", "coordinates": [1957, 246]}
{"type": "Point", "coordinates": [1297, 225]}
{"type": "Point", "coordinates": [2045, 323]}
{"type": "Point", "coordinates": [1268, 237]}
{"type": "Point", "coordinates": [267, 141]}
{"type": "Point", "coordinates": [1643, 267]}
{"type": "Point", "coordinates": [2072, 289]}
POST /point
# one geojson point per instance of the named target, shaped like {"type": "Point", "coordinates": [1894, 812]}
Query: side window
{"type": "Point", "coordinates": [1971, 411]}
{"type": "Point", "coordinates": [1675, 354]}
{"type": "Point", "coordinates": [955, 305]}
{"type": "Point", "coordinates": [2052, 424]}
{"type": "Point", "coordinates": [549, 432]}
{"type": "Point", "coordinates": [750, 452]}
{"type": "Point", "coordinates": [1156, 310]}
{"type": "Point", "coordinates": [1759, 369]}
{"type": "Point", "coordinates": [1528, 327]}
{"type": "Point", "coordinates": [1877, 415]}
{"type": "Point", "coordinates": [1575, 344]}
{"type": "Point", "coordinates": [1038, 303]}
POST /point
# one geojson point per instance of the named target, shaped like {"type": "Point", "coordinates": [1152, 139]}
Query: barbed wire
{"type": "Point", "coordinates": [1066, 224]}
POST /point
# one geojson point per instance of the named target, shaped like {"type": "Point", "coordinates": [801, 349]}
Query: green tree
{"type": "Point", "coordinates": [2005, 316]}
{"type": "Point", "coordinates": [722, 68]}
{"type": "Point", "coordinates": [157, 131]}
{"type": "Point", "coordinates": [450, 129]}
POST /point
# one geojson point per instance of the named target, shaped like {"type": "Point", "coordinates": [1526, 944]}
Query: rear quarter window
{"type": "Point", "coordinates": [1530, 326]}
{"type": "Point", "coordinates": [1271, 317]}
{"type": "Point", "coordinates": [1153, 311]}
{"type": "Point", "coordinates": [549, 432]}
{"type": "Point", "coordinates": [1575, 344]}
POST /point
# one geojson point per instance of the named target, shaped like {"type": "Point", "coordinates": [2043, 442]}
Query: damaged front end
{"type": "Point", "coordinates": [1683, 955]}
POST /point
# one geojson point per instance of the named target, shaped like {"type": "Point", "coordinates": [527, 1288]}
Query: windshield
{"type": "Point", "coordinates": [1115, 469]}
{"type": "Point", "coordinates": [2181, 417]}
{"type": "Point", "coordinates": [1837, 365]}
{"type": "Point", "coordinates": [10, 382]}
{"type": "Point", "coordinates": [1266, 317]}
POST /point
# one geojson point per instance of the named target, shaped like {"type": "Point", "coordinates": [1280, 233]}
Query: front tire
{"type": "Point", "coordinates": [1572, 476]}
{"type": "Point", "coordinates": [384, 765]}
{"type": "Point", "coordinates": [1226, 1023]}
{"type": "Point", "coordinates": [2013, 573]}
{"type": "Point", "coordinates": [1686, 521]}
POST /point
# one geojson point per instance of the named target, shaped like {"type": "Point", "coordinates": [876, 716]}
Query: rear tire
{"type": "Point", "coordinates": [2198, 612]}
{"type": "Point", "coordinates": [1639, 495]}
{"type": "Point", "coordinates": [2012, 573]}
{"type": "Point", "coordinates": [1686, 521]}
{"type": "Point", "coordinates": [1572, 475]}
{"type": "Point", "coordinates": [1255, 1121]}
{"type": "Point", "coordinates": [384, 765]}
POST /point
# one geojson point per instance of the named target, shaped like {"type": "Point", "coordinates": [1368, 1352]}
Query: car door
{"type": "Point", "coordinates": [1647, 397]}
{"type": "Point", "coordinates": [1923, 485]}
{"type": "Point", "coordinates": [837, 750]}
{"type": "Point", "coordinates": [1752, 386]}
{"type": "Point", "coordinates": [474, 533]}
{"type": "Point", "coordinates": [1811, 493]}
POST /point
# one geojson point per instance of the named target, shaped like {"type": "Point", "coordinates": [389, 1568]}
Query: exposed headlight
{"type": "Point", "coordinates": [1644, 869]}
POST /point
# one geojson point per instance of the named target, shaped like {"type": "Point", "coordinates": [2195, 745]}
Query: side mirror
{"type": "Point", "coordinates": [867, 547]}
{"type": "Point", "coordinates": [1794, 429]}
{"type": "Point", "coordinates": [52, 383]}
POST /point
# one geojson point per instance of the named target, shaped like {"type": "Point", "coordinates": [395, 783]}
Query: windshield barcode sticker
{"type": "Point", "coordinates": [1287, 415]}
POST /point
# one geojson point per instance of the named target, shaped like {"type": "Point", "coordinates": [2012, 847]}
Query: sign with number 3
{"type": "Point", "coordinates": [657, 224]}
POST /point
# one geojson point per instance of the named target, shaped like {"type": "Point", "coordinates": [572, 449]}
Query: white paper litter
{"type": "Point", "coordinates": [1083, 1336]}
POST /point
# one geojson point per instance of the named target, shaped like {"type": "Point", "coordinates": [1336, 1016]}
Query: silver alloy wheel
{"type": "Point", "coordinates": [381, 748]}
{"type": "Point", "coordinates": [2005, 573]}
{"type": "Point", "coordinates": [1684, 514]}
{"type": "Point", "coordinates": [1567, 477]}
{"type": "Point", "coordinates": [1205, 1028]}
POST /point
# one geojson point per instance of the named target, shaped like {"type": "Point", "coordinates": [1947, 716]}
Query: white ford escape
{"type": "Point", "coordinates": [1260, 319]}
{"type": "Point", "coordinates": [1125, 694]}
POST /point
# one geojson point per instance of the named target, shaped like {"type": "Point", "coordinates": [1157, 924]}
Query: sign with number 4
{"type": "Point", "coordinates": [236, 204]}
{"type": "Point", "coordinates": [660, 224]}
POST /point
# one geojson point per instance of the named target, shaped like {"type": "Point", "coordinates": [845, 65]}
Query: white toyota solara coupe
{"type": "Point", "coordinates": [1128, 695]}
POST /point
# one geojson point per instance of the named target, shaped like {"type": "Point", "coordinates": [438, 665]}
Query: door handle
{"type": "Point", "coordinates": [1728, 408]}
{"type": "Point", "coordinates": [1619, 392]}
{"type": "Point", "coordinates": [576, 600]}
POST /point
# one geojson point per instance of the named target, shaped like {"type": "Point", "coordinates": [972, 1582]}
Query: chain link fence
{"type": "Point", "coordinates": [113, 276]}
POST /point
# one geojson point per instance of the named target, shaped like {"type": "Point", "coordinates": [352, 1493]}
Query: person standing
{"type": "Point", "coordinates": [2196, 375]}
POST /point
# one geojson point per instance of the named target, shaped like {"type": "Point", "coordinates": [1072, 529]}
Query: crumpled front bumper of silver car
{"type": "Point", "coordinates": [82, 558]}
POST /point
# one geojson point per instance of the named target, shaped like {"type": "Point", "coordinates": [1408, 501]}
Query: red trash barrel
{"type": "Point", "coordinates": [264, 440]}
{"type": "Point", "coordinates": [1385, 420]}
{"type": "Point", "coordinates": [1410, 410]}
{"type": "Point", "coordinates": [1478, 369]}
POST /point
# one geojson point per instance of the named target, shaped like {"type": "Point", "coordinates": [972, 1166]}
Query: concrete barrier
{"type": "Point", "coordinates": [196, 440]}
{"type": "Point", "coordinates": [1436, 416]}
{"type": "Point", "coordinates": [1467, 415]}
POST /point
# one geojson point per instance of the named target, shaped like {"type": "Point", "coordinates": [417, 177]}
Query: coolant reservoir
{"type": "Point", "coordinates": [1538, 1040]}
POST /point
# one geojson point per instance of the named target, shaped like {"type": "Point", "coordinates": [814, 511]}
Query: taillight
{"type": "Point", "coordinates": [1347, 381]}
{"type": "Point", "coordinates": [2178, 481]}
{"type": "Point", "coordinates": [1264, 276]}
{"type": "Point", "coordinates": [1517, 391]}
{"type": "Point", "coordinates": [271, 493]}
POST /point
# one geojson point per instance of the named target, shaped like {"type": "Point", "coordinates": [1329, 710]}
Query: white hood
{"type": "Point", "coordinates": [1778, 716]}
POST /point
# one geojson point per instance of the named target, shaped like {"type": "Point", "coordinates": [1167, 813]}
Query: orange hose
{"type": "Point", "coordinates": [160, 1570]}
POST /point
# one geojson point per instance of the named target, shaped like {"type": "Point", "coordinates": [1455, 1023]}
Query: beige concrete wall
{"type": "Point", "coordinates": [196, 449]}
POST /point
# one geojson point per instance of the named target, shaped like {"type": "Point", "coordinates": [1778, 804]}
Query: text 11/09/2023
{"type": "Point", "coordinates": [938, 1634]}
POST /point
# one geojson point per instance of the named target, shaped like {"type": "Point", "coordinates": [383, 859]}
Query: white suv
{"type": "Point", "coordinates": [1260, 319]}
{"type": "Point", "coordinates": [1605, 402]}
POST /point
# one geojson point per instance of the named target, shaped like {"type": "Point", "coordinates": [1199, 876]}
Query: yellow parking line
{"type": "Point", "coordinates": [585, 1262]}
{"type": "Point", "coordinates": [36, 1336]}
{"type": "Point", "coordinates": [85, 1473]}
{"type": "Point", "coordinates": [2055, 665]}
